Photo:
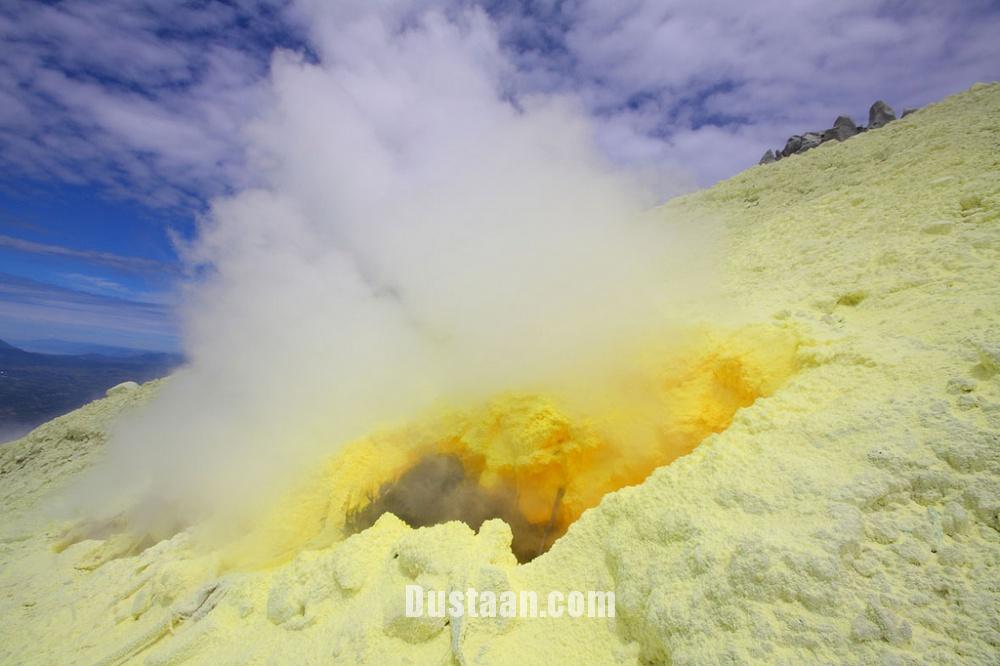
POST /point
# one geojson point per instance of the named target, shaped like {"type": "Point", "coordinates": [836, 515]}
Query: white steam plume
{"type": "Point", "coordinates": [422, 237]}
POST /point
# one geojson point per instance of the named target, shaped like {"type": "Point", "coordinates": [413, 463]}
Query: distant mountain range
{"type": "Point", "coordinates": [35, 387]}
{"type": "Point", "coordinates": [70, 348]}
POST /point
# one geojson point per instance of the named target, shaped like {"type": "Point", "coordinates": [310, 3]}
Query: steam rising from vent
{"type": "Point", "coordinates": [422, 237]}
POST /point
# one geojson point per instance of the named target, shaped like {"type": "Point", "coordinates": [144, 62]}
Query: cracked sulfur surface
{"type": "Point", "coordinates": [838, 501]}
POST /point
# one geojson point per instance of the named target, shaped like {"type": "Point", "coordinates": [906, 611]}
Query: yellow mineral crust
{"type": "Point", "coordinates": [527, 445]}
{"type": "Point", "coordinates": [841, 503]}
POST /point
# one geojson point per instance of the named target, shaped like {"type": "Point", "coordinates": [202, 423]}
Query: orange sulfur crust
{"type": "Point", "coordinates": [534, 446]}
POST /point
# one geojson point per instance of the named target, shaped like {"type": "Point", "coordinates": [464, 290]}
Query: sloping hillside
{"type": "Point", "coordinates": [851, 515]}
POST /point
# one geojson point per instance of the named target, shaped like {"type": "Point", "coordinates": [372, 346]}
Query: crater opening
{"type": "Point", "coordinates": [537, 466]}
{"type": "Point", "coordinates": [438, 489]}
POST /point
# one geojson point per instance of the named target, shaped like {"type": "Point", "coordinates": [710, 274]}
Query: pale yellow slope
{"type": "Point", "coordinates": [851, 517]}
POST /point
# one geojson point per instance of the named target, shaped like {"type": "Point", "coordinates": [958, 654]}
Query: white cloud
{"type": "Point", "coordinates": [791, 66]}
{"type": "Point", "coordinates": [149, 99]}
{"type": "Point", "coordinates": [109, 259]}
{"type": "Point", "coordinates": [144, 99]}
{"type": "Point", "coordinates": [30, 309]}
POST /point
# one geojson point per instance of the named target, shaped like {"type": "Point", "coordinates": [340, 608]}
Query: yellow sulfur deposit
{"type": "Point", "coordinates": [526, 445]}
{"type": "Point", "coordinates": [839, 501]}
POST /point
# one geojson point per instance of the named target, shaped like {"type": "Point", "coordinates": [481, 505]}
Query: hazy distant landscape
{"type": "Point", "coordinates": [36, 386]}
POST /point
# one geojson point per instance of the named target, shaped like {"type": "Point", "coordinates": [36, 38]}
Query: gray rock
{"type": "Point", "coordinates": [907, 112]}
{"type": "Point", "coordinates": [844, 128]}
{"type": "Point", "coordinates": [880, 114]}
{"type": "Point", "coordinates": [809, 141]}
{"type": "Point", "coordinates": [792, 145]}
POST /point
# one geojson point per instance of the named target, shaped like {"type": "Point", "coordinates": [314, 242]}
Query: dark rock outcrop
{"type": "Point", "coordinates": [907, 112]}
{"type": "Point", "coordinates": [809, 141]}
{"type": "Point", "coordinates": [843, 128]}
{"type": "Point", "coordinates": [880, 114]}
{"type": "Point", "coordinates": [792, 146]}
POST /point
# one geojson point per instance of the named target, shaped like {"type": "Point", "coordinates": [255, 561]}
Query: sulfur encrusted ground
{"type": "Point", "coordinates": [851, 517]}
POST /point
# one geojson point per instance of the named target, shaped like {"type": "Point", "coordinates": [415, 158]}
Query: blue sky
{"type": "Point", "coordinates": [81, 266]}
{"type": "Point", "coordinates": [121, 120]}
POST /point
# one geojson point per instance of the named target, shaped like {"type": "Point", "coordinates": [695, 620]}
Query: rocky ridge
{"type": "Point", "coordinates": [843, 128]}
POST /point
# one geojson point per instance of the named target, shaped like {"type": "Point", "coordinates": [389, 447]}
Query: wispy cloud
{"type": "Point", "coordinates": [95, 283]}
{"type": "Point", "coordinates": [709, 84]}
{"type": "Point", "coordinates": [145, 99]}
{"type": "Point", "coordinates": [32, 309]}
{"type": "Point", "coordinates": [150, 100]}
{"type": "Point", "coordinates": [108, 259]}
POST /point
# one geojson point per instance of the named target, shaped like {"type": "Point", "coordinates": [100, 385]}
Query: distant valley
{"type": "Point", "coordinates": [35, 387]}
